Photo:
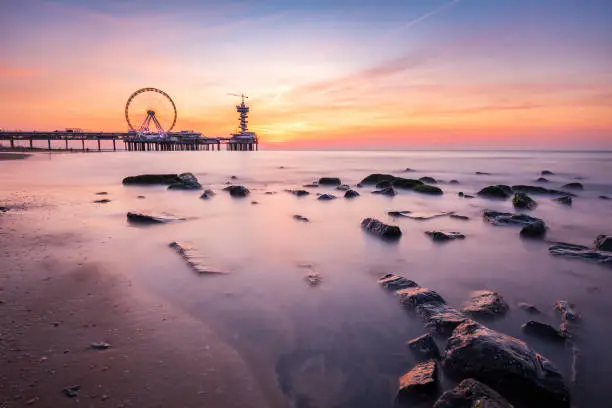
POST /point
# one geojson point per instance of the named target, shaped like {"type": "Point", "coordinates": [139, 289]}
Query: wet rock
{"type": "Point", "coordinates": [442, 236]}
{"type": "Point", "coordinates": [270, 192]}
{"type": "Point", "coordinates": [377, 178]}
{"type": "Point", "coordinates": [501, 218]}
{"type": "Point", "coordinates": [298, 217]}
{"type": "Point", "coordinates": [428, 180]}
{"type": "Point", "coordinates": [482, 173]}
{"type": "Point", "coordinates": [529, 308]}
{"type": "Point", "coordinates": [389, 191]}
{"type": "Point", "coordinates": [542, 180]}
{"type": "Point", "coordinates": [384, 184]}
{"type": "Point", "coordinates": [603, 197]}
{"type": "Point", "coordinates": [101, 345]}
{"type": "Point", "coordinates": [421, 216]}
{"type": "Point", "coordinates": [329, 181]}
{"type": "Point", "coordinates": [141, 196]}
{"type": "Point", "coordinates": [313, 278]}
{"type": "Point", "coordinates": [424, 348]}
{"type": "Point", "coordinates": [312, 185]}
{"type": "Point", "coordinates": [542, 330]}
{"type": "Point", "coordinates": [565, 200]}
{"type": "Point", "coordinates": [103, 201]}
{"type": "Point", "coordinates": [237, 191]}
{"type": "Point", "coordinates": [523, 201]}
{"type": "Point", "coordinates": [463, 195]}
{"type": "Point", "coordinates": [351, 194]}
{"type": "Point", "coordinates": [207, 194]}
{"type": "Point", "coordinates": [534, 230]}
{"type": "Point", "coordinates": [421, 379]}
{"type": "Point", "coordinates": [396, 282]}
{"type": "Point", "coordinates": [573, 186]}
{"type": "Point", "coordinates": [413, 297]}
{"type": "Point", "coordinates": [453, 181]}
{"type": "Point", "coordinates": [472, 394]}
{"type": "Point", "coordinates": [427, 189]}
{"type": "Point", "coordinates": [152, 179]}
{"type": "Point", "coordinates": [486, 303]}
{"type": "Point", "coordinates": [343, 187]}
{"type": "Point", "coordinates": [581, 252]}
{"type": "Point", "coordinates": [4, 209]}
{"type": "Point", "coordinates": [440, 318]}
{"type": "Point", "coordinates": [298, 193]}
{"type": "Point", "coordinates": [233, 178]}
{"type": "Point", "coordinates": [101, 193]}
{"type": "Point", "coordinates": [506, 364]}
{"type": "Point", "coordinates": [568, 314]}
{"type": "Point", "coordinates": [460, 217]}
{"type": "Point", "coordinates": [538, 190]}
{"type": "Point", "coordinates": [71, 391]}
{"type": "Point", "coordinates": [146, 219]}
{"type": "Point", "coordinates": [408, 170]}
{"type": "Point", "coordinates": [325, 197]}
{"type": "Point", "coordinates": [187, 182]}
{"type": "Point", "coordinates": [381, 229]}
{"type": "Point", "coordinates": [194, 259]}
{"type": "Point", "coordinates": [254, 202]}
{"type": "Point", "coordinates": [407, 184]}
{"type": "Point", "coordinates": [494, 192]}
{"type": "Point", "coordinates": [547, 173]}
{"type": "Point", "coordinates": [604, 243]}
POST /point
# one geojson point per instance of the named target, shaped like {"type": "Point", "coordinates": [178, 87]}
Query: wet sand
{"type": "Point", "coordinates": [51, 311]}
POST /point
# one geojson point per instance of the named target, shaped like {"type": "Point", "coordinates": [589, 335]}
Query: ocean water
{"type": "Point", "coordinates": [340, 343]}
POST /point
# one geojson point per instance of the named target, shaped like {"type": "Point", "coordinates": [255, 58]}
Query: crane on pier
{"type": "Point", "coordinates": [239, 95]}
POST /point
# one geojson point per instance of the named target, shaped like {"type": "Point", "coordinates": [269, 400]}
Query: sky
{"type": "Point", "coordinates": [319, 74]}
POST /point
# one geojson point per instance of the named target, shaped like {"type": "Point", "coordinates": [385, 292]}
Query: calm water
{"type": "Point", "coordinates": [341, 343]}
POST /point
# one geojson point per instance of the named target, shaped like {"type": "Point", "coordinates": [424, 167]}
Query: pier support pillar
{"type": "Point", "coordinates": [49, 144]}
{"type": "Point", "coordinates": [114, 146]}
{"type": "Point", "coordinates": [12, 143]}
{"type": "Point", "coordinates": [83, 143]}
{"type": "Point", "coordinates": [31, 144]}
{"type": "Point", "coordinates": [99, 147]}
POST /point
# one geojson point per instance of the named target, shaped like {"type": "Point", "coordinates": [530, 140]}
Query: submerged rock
{"type": "Point", "coordinates": [413, 297]}
{"type": "Point", "coordinates": [421, 379]}
{"type": "Point", "coordinates": [313, 278]}
{"type": "Point", "coordinates": [146, 219]}
{"type": "Point", "coordinates": [482, 173]}
{"type": "Point", "coordinates": [329, 181]}
{"type": "Point", "coordinates": [440, 318]}
{"type": "Point", "coordinates": [441, 236]}
{"type": "Point", "coordinates": [194, 259]}
{"type": "Point", "coordinates": [237, 191]}
{"type": "Point", "coordinates": [351, 194]}
{"type": "Point", "coordinates": [149, 179]}
{"type": "Point", "coordinates": [568, 314]}
{"type": "Point", "coordinates": [207, 194]}
{"type": "Point", "coordinates": [298, 217]}
{"type": "Point", "coordinates": [547, 173]}
{"type": "Point", "coordinates": [389, 191]}
{"type": "Point", "coordinates": [565, 200]}
{"type": "Point", "coordinates": [325, 197]}
{"type": "Point", "coordinates": [424, 348]}
{"type": "Point", "coordinates": [498, 191]}
{"type": "Point", "coordinates": [501, 218]}
{"type": "Point", "coordinates": [542, 330]}
{"type": "Point", "coordinates": [453, 181]}
{"type": "Point", "coordinates": [427, 189]}
{"type": "Point", "coordinates": [343, 187]}
{"type": "Point", "coordinates": [523, 201]}
{"type": "Point", "coordinates": [187, 182]}
{"type": "Point", "coordinates": [604, 243]}
{"type": "Point", "coordinates": [103, 201]}
{"type": "Point", "coordinates": [418, 215]}
{"type": "Point", "coordinates": [529, 308]}
{"type": "Point", "coordinates": [312, 185]}
{"type": "Point", "coordinates": [472, 394]}
{"type": "Point", "coordinates": [377, 178]}
{"type": "Point", "coordinates": [428, 180]}
{"type": "Point", "coordinates": [4, 209]}
{"type": "Point", "coordinates": [100, 345]}
{"type": "Point", "coordinates": [71, 391]}
{"type": "Point", "coordinates": [101, 193]}
{"type": "Point", "coordinates": [506, 364]}
{"type": "Point", "coordinates": [573, 186]}
{"type": "Point", "coordinates": [396, 282]}
{"type": "Point", "coordinates": [542, 180]}
{"type": "Point", "coordinates": [298, 193]}
{"type": "Point", "coordinates": [408, 170]}
{"type": "Point", "coordinates": [381, 229]}
{"type": "Point", "coordinates": [580, 251]}
{"type": "Point", "coordinates": [603, 197]}
{"type": "Point", "coordinates": [463, 195]}
{"type": "Point", "coordinates": [407, 184]}
{"type": "Point", "coordinates": [486, 303]}
{"type": "Point", "coordinates": [534, 230]}
{"type": "Point", "coordinates": [460, 217]}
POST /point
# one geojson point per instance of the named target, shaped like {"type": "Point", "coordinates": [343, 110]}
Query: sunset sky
{"type": "Point", "coordinates": [320, 74]}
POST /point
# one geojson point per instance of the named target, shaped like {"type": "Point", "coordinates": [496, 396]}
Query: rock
{"type": "Point", "coordinates": [194, 259]}
{"type": "Point", "coordinates": [573, 186]}
{"type": "Point", "coordinates": [494, 192]}
{"type": "Point", "coordinates": [313, 278]}
{"type": "Point", "coordinates": [453, 181]}
{"type": "Point", "coordinates": [101, 193]}
{"type": "Point", "coordinates": [4, 209]}
{"type": "Point", "coordinates": [472, 394]}
{"type": "Point", "coordinates": [424, 348]}
{"type": "Point", "coordinates": [103, 201]}
{"type": "Point", "coordinates": [384, 184]}
{"type": "Point", "coordinates": [539, 190]}
{"type": "Point", "coordinates": [351, 194]}
{"type": "Point", "coordinates": [604, 243]}
{"type": "Point", "coordinates": [329, 181]}
{"type": "Point", "coordinates": [343, 187]}
{"type": "Point", "coordinates": [270, 192]}
{"type": "Point", "coordinates": [428, 180]}
{"type": "Point", "coordinates": [233, 178]}
{"type": "Point", "coordinates": [325, 197]}
{"type": "Point", "coordinates": [150, 179]}
{"type": "Point", "coordinates": [298, 193]}
{"type": "Point", "coordinates": [580, 251]}
{"type": "Point", "coordinates": [237, 191]}
{"type": "Point", "coordinates": [300, 218]}
{"type": "Point", "coordinates": [377, 178]}
{"type": "Point", "coordinates": [146, 219]}
{"type": "Point", "coordinates": [312, 185]}
{"type": "Point", "coordinates": [460, 217]}
{"type": "Point", "coordinates": [442, 236]}
{"type": "Point", "coordinates": [408, 170]}
{"type": "Point", "coordinates": [421, 379]}
{"type": "Point", "coordinates": [482, 173]}
{"type": "Point", "coordinates": [427, 189]}
{"type": "Point", "coordinates": [486, 303]}
{"type": "Point", "coordinates": [395, 282]}
{"type": "Point", "coordinates": [463, 195]}
{"type": "Point", "coordinates": [207, 194]}
{"type": "Point", "coordinates": [380, 229]}
{"type": "Point", "coordinates": [529, 308]}
{"type": "Point", "coordinates": [187, 182]}
{"type": "Point", "coordinates": [603, 197]}
{"type": "Point", "coordinates": [141, 196]}
{"type": "Point", "coordinates": [547, 173]}
{"type": "Point", "coordinates": [542, 330]}
{"type": "Point", "coordinates": [506, 364]}
{"type": "Point", "coordinates": [523, 201]}
{"type": "Point", "coordinates": [501, 218]}
{"type": "Point", "coordinates": [413, 297]}
{"type": "Point", "coordinates": [534, 230]}
{"type": "Point", "coordinates": [101, 345]}
{"type": "Point", "coordinates": [568, 314]}
{"type": "Point", "coordinates": [254, 202]}
{"type": "Point", "coordinates": [565, 200]}
{"type": "Point", "coordinates": [71, 391]}
{"type": "Point", "coordinates": [440, 318]}
{"type": "Point", "coordinates": [542, 180]}
{"type": "Point", "coordinates": [408, 184]}
{"type": "Point", "coordinates": [389, 191]}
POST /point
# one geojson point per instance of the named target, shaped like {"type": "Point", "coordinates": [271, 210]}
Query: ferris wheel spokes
{"type": "Point", "coordinates": [144, 128]}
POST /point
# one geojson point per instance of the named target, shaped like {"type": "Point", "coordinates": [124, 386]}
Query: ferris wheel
{"type": "Point", "coordinates": [153, 109]}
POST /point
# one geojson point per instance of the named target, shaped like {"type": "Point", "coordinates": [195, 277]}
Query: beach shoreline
{"type": "Point", "coordinates": [13, 156]}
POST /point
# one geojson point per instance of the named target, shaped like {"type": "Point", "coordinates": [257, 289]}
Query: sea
{"type": "Point", "coordinates": [338, 340]}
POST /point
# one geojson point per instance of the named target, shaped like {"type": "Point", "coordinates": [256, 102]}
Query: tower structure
{"type": "Point", "coordinates": [244, 135]}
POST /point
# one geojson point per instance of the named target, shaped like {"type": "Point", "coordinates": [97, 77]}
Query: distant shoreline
{"type": "Point", "coordinates": [13, 156]}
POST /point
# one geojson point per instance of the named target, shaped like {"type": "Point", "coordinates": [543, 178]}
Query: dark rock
{"type": "Point", "coordinates": [194, 259]}
{"type": "Point", "coordinates": [207, 194]}
{"type": "Point", "coordinates": [421, 379]}
{"type": "Point", "coordinates": [428, 180]}
{"type": "Point", "coordinates": [325, 197]}
{"type": "Point", "coordinates": [300, 218]}
{"type": "Point", "coordinates": [604, 242]}
{"type": "Point", "coordinates": [101, 193]}
{"type": "Point", "coordinates": [421, 216]}
{"type": "Point", "coordinates": [329, 181]}
{"type": "Point", "coordinates": [440, 318]}
{"type": "Point", "coordinates": [542, 180]}
{"type": "Point", "coordinates": [407, 184]}
{"type": "Point", "coordinates": [145, 218]}
{"type": "Point", "coordinates": [427, 189]}
{"type": "Point", "coordinates": [408, 170]}
{"type": "Point", "coordinates": [101, 345]}
{"type": "Point", "coordinates": [299, 193]}
{"type": "Point", "coordinates": [580, 251]}
{"type": "Point", "coordinates": [4, 209]}
{"type": "Point", "coordinates": [395, 282]}
{"type": "Point", "coordinates": [233, 178]}
{"type": "Point", "coordinates": [529, 308]}
{"type": "Point", "coordinates": [389, 191]}
{"type": "Point", "coordinates": [538, 190]}
{"type": "Point", "coordinates": [542, 330]}
{"type": "Point", "coordinates": [313, 278]}
{"type": "Point", "coordinates": [568, 314]}
{"type": "Point", "coordinates": [506, 364]}
{"type": "Point", "coordinates": [565, 200]}
{"type": "Point", "coordinates": [460, 217]}
{"type": "Point", "coordinates": [187, 182]}
{"type": "Point", "coordinates": [523, 201]}
{"type": "Point", "coordinates": [351, 194]}
{"type": "Point", "coordinates": [380, 229]}
{"type": "Point", "coordinates": [494, 192]}
{"type": "Point", "coordinates": [343, 187]}
{"type": "Point", "coordinates": [482, 173]}
{"type": "Point", "coordinates": [384, 184]}
{"type": "Point", "coordinates": [377, 178]}
{"type": "Point", "coordinates": [149, 179]}
{"type": "Point", "coordinates": [453, 182]}
{"type": "Point", "coordinates": [141, 196]}
{"type": "Point", "coordinates": [534, 230]}
{"type": "Point", "coordinates": [413, 297]}
{"type": "Point", "coordinates": [398, 213]}
{"type": "Point", "coordinates": [424, 348]}
{"type": "Point", "coordinates": [486, 303]}
{"type": "Point", "coordinates": [501, 218]}
{"type": "Point", "coordinates": [472, 394]}
{"type": "Point", "coordinates": [237, 191]}
{"type": "Point", "coordinates": [603, 197]}
{"type": "Point", "coordinates": [463, 195]}
{"type": "Point", "coordinates": [71, 391]}
{"type": "Point", "coordinates": [103, 201]}
{"type": "Point", "coordinates": [573, 186]}
{"type": "Point", "coordinates": [442, 236]}
{"type": "Point", "coordinates": [313, 185]}
{"type": "Point", "coordinates": [270, 192]}
{"type": "Point", "coordinates": [254, 202]}
{"type": "Point", "coordinates": [547, 173]}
